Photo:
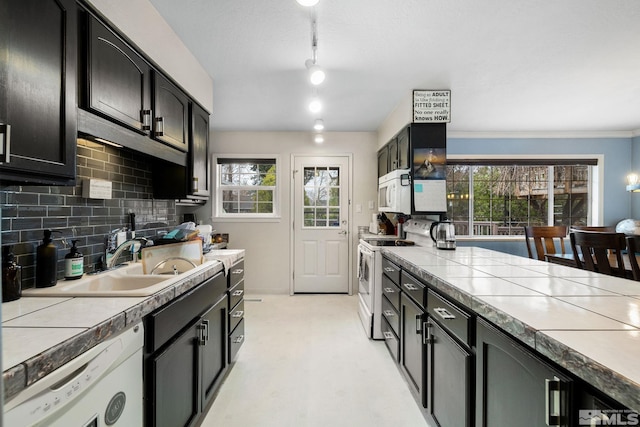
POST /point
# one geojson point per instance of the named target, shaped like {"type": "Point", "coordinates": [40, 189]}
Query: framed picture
{"type": "Point", "coordinates": [432, 106]}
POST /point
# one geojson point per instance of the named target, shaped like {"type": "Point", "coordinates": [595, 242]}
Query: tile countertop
{"type": "Point", "coordinates": [586, 322]}
{"type": "Point", "coordinates": [40, 334]}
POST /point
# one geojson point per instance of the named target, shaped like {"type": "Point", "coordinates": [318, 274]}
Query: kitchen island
{"type": "Point", "coordinates": [41, 334]}
{"type": "Point", "coordinates": [585, 322]}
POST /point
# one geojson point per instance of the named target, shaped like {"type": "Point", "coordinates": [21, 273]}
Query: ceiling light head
{"type": "Point", "coordinates": [315, 105]}
{"type": "Point", "coordinates": [318, 139]}
{"type": "Point", "coordinates": [308, 3]}
{"type": "Point", "coordinates": [316, 74]}
{"type": "Point", "coordinates": [319, 124]}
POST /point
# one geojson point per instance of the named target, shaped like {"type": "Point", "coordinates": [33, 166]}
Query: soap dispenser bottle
{"type": "Point", "coordinates": [73, 263]}
{"type": "Point", "coordinates": [46, 262]}
{"type": "Point", "coordinates": [11, 276]}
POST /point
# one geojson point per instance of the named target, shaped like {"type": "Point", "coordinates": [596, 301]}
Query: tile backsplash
{"type": "Point", "coordinates": [28, 210]}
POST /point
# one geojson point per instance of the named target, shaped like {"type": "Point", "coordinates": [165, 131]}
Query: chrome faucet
{"type": "Point", "coordinates": [111, 258]}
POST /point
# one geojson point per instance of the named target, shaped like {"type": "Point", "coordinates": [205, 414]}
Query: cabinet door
{"type": "Point", "coordinates": [404, 149]}
{"type": "Point", "coordinates": [393, 154]}
{"type": "Point", "coordinates": [38, 119]}
{"type": "Point", "coordinates": [449, 367]}
{"type": "Point", "coordinates": [412, 346]}
{"type": "Point", "coordinates": [383, 161]}
{"type": "Point", "coordinates": [214, 349]}
{"type": "Point", "coordinates": [118, 80]}
{"type": "Point", "coordinates": [199, 152]}
{"type": "Point", "coordinates": [173, 382]}
{"type": "Point", "coordinates": [171, 113]}
{"type": "Point", "coordinates": [514, 387]}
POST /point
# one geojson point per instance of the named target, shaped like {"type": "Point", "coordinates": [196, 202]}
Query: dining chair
{"type": "Point", "coordinates": [545, 239]}
{"type": "Point", "coordinates": [598, 251]}
{"type": "Point", "coordinates": [633, 246]}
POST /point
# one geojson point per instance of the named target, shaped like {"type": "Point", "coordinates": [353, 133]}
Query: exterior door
{"type": "Point", "coordinates": [321, 224]}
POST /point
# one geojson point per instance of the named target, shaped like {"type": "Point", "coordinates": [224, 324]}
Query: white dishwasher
{"type": "Point", "coordinates": [101, 387]}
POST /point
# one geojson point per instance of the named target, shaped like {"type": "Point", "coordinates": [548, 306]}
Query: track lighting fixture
{"type": "Point", "coordinates": [318, 125]}
{"type": "Point", "coordinates": [318, 139]}
{"type": "Point", "coordinates": [316, 74]}
{"type": "Point", "coordinates": [308, 3]}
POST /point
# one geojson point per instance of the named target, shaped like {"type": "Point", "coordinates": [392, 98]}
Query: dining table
{"type": "Point", "coordinates": [570, 261]}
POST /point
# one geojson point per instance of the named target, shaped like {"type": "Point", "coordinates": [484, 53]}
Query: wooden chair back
{"type": "Point", "coordinates": [544, 239]}
{"type": "Point", "coordinates": [599, 252]}
{"type": "Point", "coordinates": [633, 248]}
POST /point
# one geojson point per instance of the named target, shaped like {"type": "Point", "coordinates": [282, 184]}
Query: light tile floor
{"type": "Point", "coordinates": [306, 362]}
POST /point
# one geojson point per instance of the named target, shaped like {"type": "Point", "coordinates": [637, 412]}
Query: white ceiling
{"type": "Point", "coordinates": [511, 65]}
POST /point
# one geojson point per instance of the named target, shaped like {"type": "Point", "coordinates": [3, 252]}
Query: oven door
{"type": "Point", "coordinates": [366, 271]}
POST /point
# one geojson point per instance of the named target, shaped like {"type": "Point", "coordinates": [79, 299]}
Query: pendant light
{"type": "Point", "coordinates": [318, 125]}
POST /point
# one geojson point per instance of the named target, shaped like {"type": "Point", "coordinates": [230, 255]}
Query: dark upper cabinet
{"type": "Point", "coordinates": [170, 113]}
{"type": "Point", "coordinates": [404, 149]}
{"type": "Point", "coordinates": [118, 79]}
{"type": "Point", "coordinates": [38, 59]}
{"type": "Point", "coordinates": [199, 151]}
{"type": "Point", "coordinates": [395, 154]}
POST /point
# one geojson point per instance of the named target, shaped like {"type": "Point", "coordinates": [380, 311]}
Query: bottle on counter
{"type": "Point", "coordinates": [46, 262]}
{"type": "Point", "coordinates": [73, 263]}
{"type": "Point", "coordinates": [11, 276]}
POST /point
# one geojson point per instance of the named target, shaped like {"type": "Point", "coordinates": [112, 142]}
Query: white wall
{"type": "Point", "coordinates": [144, 26]}
{"type": "Point", "coordinates": [400, 117]}
{"type": "Point", "coordinates": [267, 257]}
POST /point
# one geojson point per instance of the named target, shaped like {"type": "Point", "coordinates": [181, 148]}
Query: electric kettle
{"type": "Point", "coordinates": [445, 237]}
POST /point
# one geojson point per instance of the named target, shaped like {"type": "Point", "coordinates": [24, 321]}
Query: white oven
{"type": "Point", "coordinates": [369, 288]}
{"type": "Point", "coordinates": [394, 192]}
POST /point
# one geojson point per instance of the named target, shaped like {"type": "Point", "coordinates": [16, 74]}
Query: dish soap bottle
{"type": "Point", "coordinates": [73, 263]}
{"type": "Point", "coordinates": [46, 262]}
{"type": "Point", "coordinates": [11, 276]}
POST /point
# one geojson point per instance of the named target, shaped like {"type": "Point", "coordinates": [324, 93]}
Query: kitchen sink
{"type": "Point", "coordinates": [125, 281]}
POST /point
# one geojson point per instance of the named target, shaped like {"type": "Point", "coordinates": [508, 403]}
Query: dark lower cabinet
{"type": "Point", "coordinates": [175, 388]}
{"type": "Point", "coordinates": [186, 355]}
{"type": "Point", "coordinates": [516, 388]}
{"type": "Point", "coordinates": [413, 349]}
{"type": "Point", "coordinates": [38, 119]}
{"type": "Point", "coordinates": [450, 375]}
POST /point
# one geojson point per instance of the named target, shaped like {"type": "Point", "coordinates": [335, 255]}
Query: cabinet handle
{"type": "Point", "coordinates": [389, 290]}
{"type": "Point", "coordinates": [159, 127]}
{"type": "Point", "coordinates": [388, 313]}
{"type": "Point", "coordinates": [238, 313]}
{"type": "Point", "coordinates": [145, 115]}
{"type": "Point", "coordinates": [410, 287]}
{"type": "Point", "coordinates": [238, 339]}
{"type": "Point", "coordinates": [389, 269]}
{"type": "Point", "coordinates": [5, 143]}
{"type": "Point", "coordinates": [388, 335]}
{"type": "Point", "coordinates": [237, 271]}
{"type": "Point", "coordinates": [194, 184]}
{"type": "Point", "coordinates": [418, 324]}
{"type": "Point", "coordinates": [427, 338]}
{"type": "Point", "coordinates": [203, 332]}
{"type": "Point", "coordinates": [552, 391]}
{"type": "Point", "coordinates": [237, 293]}
{"type": "Point", "coordinates": [442, 312]}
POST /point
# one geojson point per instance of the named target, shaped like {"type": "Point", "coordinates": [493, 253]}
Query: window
{"type": "Point", "coordinates": [500, 198]}
{"type": "Point", "coordinates": [321, 196]}
{"type": "Point", "coordinates": [246, 187]}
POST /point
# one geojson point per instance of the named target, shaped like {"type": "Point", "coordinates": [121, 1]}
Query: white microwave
{"type": "Point", "coordinates": [394, 192]}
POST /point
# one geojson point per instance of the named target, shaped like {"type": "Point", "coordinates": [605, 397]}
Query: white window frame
{"type": "Point", "coordinates": [216, 207]}
{"type": "Point", "coordinates": [596, 210]}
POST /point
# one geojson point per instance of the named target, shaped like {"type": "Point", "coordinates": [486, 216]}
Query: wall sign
{"type": "Point", "coordinates": [431, 106]}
